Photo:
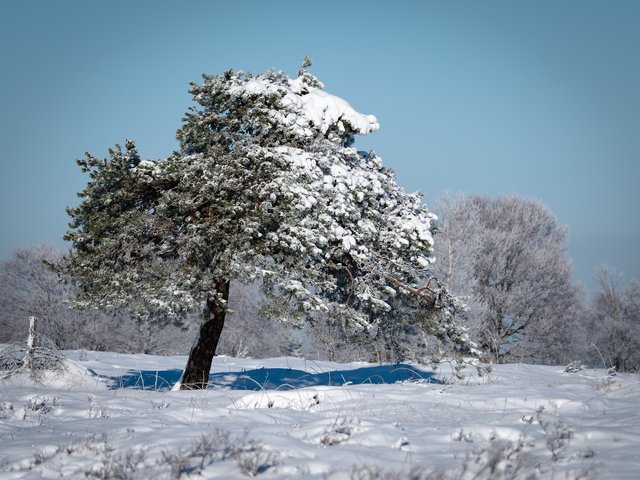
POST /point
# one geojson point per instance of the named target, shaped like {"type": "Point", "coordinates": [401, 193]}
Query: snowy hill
{"type": "Point", "coordinates": [114, 416]}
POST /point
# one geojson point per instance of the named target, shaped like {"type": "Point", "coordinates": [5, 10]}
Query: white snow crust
{"type": "Point", "coordinates": [310, 419]}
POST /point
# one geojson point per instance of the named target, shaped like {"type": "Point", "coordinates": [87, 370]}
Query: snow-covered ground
{"type": "Point", "coordinates": [114, 416]}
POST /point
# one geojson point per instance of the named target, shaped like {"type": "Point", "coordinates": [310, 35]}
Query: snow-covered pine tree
{"type": "Point", "coordinates": [266, 186]}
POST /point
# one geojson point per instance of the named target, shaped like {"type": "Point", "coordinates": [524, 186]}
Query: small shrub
{"type": "Point", "coordinates": [503, 459]}
{"type": "Point", "coordinates": [340, 432]}
{"type": "Point", "coordinates": [251, 456]}
{"type": "Point", "coordinates": [368, 472]}
{"type": "Point", "coordinates": [117, 466]}
{"type": "Point", "coordinates": [15, 359]}
{"type": "Point", "coordinates": [42, 405]}
{"type": "Point", "coordinates": [556, 434]}
{"type": "Point", "coordinates": [6, 410]}
{"type": "Point", "coordinates": [574, 367]}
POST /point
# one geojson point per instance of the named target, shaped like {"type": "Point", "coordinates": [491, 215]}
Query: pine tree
{"type": "Point", "coordinates": [266, 187]}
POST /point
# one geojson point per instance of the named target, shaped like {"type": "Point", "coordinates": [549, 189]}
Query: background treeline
{"type": "Point", "coordinates": [29, 287]}
{"type": "Point", "coordinates": [506, 258]}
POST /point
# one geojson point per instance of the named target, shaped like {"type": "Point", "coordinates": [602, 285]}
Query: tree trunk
{"type": "Point", "coordinates": [196, 373]}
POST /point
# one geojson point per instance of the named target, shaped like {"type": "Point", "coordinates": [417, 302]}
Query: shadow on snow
{"type": "Point", "coordinates": [277, 378]}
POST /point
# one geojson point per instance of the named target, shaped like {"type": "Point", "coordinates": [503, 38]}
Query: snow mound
{"type": "Point", "coordinates": [303, 400]}
{"type": "Point", "coordinates": [71, 376]}
{"type": "Point", "coordinates": [548, 423]}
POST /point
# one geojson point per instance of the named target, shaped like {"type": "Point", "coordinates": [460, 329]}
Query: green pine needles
{"type": "Point", "coordinates": [265, 187]}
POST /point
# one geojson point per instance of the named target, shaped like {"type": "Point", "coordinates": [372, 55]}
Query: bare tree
{"type": "Point", "coordinates": [507, 258]}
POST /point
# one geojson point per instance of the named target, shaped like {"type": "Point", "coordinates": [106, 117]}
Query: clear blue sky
{"type": "Point", "coordinates": [538, 98]}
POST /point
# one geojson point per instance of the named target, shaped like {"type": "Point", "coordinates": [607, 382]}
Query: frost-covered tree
{"type": "Point", "coordinates": [614, 326]}
{"type": "Point", "coordinates": [266, 187]}
{"type": "Point", "coordinates": [29, 287]}
{"type": "Point", "coordinates": [403, 333]}
{"type": "Point", "coordinates": [507, 257]}
{"type": "Point", "coordinates": [249, 333]}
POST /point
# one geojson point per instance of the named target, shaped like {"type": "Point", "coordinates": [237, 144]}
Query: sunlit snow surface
{"type": "Point", "coordinates": [295, 418]}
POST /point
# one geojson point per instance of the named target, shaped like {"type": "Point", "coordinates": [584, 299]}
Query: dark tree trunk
{"type": "Point", "coordinates": [196, 373]}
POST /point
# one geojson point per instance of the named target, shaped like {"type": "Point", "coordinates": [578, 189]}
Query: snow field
{"type": "Point", "coordinates": [295, 418]}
